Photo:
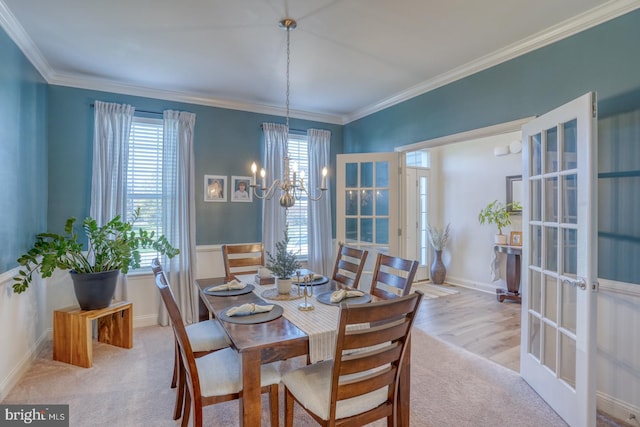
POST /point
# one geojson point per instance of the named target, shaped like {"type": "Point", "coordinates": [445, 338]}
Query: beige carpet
{"type": "Point", "coordinates": [450, 387]}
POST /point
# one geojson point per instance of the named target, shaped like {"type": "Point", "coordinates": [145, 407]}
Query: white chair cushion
{"type": "Point", "coordinates": [219, 373]}
{"type": "Point", "coordinates": [207, 336]}
{"type": "Point", "coordinates": [311, 385]}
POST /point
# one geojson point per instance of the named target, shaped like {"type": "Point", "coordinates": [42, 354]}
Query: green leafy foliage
{"type": "Point", "coordinates": [285, 263]}
{"type": "Point", "coordinates": [496, 213]}
{"type": "Point", "coordinates": [114, 246]}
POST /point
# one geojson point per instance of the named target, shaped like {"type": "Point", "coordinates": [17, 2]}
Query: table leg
{"type": "Point", "coordinates": [404, 387]}
{"type": "Point", "coordinates": [250, 409]}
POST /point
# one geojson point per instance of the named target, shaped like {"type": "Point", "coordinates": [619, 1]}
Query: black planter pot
{"type": "Point", "coordinates": [94, 290]}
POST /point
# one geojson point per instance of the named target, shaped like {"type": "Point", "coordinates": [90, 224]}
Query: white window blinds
{"type": "Point", "coordinates": [297, 216]}
{"type": "Point", "coordinates": [144, 178]}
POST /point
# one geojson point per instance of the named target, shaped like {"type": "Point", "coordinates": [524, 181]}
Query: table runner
{"type": "Point", "coordinates": [320, 324]}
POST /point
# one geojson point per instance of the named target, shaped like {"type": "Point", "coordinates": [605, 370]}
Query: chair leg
{"type": "Point", "coordinates": [176, 365]}
{"type": "Point", "coordinates": [288, 408]}
{"type": "Point", "coordinates": [274, 405]}
{"type": "Point", "coordinates": [187, 410]}
{"type": "Point", "coordinates": [180, 392]}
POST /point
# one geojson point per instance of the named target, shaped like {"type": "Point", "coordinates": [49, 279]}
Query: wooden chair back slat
{"type": "Point", "coordinates": [371, 361]}
{"type": "Point", "coordinates": [393, 273]}
{"type": "Point", "coordinates": [349, 265]}
{"type": "Point", "coordinates": [239, 259]}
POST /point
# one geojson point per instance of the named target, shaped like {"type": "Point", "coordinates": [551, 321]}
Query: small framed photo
{"type": "Point", "coordinates": [240, 190]}
{"type": "Point", "coordinates": [515, 238]}
{"type": "Point", "coordinates": [215, 188]}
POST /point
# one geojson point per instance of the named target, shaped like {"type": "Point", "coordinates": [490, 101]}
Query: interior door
{"type": "Point", "coordinates": [417, 219]}
{"type": "Point", "coordinates": [367, 205]}
{"type": "Point", "coordinates": [558, 343]}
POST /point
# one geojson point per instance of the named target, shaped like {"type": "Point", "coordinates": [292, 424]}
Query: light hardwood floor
{"type": "Point", "coordinates": [476, 321]}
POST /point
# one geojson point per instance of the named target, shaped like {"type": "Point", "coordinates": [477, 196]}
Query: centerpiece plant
{"type": "Point", "coordinates": [283, 264]}
{"type": "Point", "coordinates": [112, 248]}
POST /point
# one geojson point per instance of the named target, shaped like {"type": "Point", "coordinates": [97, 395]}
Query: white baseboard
{"type": "Point", "coordinates": [484, 287]}
{"type": "Point", "coordinates": [22, 366]}
{"type": "Point", "coordinates": [616, 408]}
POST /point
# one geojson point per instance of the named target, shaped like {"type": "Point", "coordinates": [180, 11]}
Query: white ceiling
{"type": "Point", "coordinates": [349, 58]}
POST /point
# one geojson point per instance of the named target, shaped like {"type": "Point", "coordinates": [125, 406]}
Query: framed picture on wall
{"type": "Point", "coordinates": [215, 188]}
{"type": "Point", "coordinates": [240, 190]}
{"type": "Point", "coordinates": [515, 238]}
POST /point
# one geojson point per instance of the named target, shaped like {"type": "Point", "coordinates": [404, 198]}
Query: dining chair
{"type": "Point", "coordinates": [242, 259]}
{"type": "Point", "coordinates": [360, 384]}
{"type": "Point", "coordinates": [393, 273]}
{"type": "Point", "coordinates": [215, 377]}
{"type": "Point", "coordinates": [349, 265]}
{"type": "Point", "coordinates": [204, 337]}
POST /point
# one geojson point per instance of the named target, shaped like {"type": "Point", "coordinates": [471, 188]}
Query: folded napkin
{"type": "Point", "coordinates": [249, 308]}
{"type": "Point", "coordinates": [341, 294]}
{"type": "Point", "coordinates": [317, 277]}
{"type": "Point", "coordinates": [234, 284]}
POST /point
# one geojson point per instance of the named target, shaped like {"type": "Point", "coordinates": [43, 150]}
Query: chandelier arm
{"type": "Point", "coordinates": [315, 199]}
{"type": "Point", "coordinates": [266, 193]}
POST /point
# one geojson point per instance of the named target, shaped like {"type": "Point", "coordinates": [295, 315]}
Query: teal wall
{"type": "Point", "coordinates": [23, 153]}
{"type": "Point", "coordinates": [605, 59]}
{"type": "Point", "coordinates": [225, 143]}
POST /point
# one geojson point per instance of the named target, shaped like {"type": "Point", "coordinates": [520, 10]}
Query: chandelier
{"type": "Point", "coordinates": [292, 187]}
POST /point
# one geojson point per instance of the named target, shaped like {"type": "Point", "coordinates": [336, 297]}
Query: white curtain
{"type": "Point", "coordinates": [178, 191]}
{"type": "Point", "coordinates": [319, 225]}
{"type": "Point", "coordinates": [112, 125]}
{"type": "Point", "coordinates": [273, 215]}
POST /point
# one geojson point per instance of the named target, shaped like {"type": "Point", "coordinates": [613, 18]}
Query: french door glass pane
{"type": "Point", "coordinates": [351, 229]}
{"type": "Point", "coordinates": [536, 155]}
{"type": "Point", "coordinates": [536, 246]}
{"type": "Point", "coordinates": [366, 230]}
{"type": "Point", "coordinates": [568, 360]}
{"type": "Point", "coordinates": [351, 175]}
{"type": "Point", "coordinates": [382, 202]}
{"type": "Point", "coordinates": [382, 174]}
{"type": "Point", "coordinates": [550, 340]}
{"type": "Point", "coordinates": [570, 142]}
{"type": "Point", "coordinates": [551, 152]}
{"type": "Point", "coordinates": [569, 300]}
{"type": "Point", "coordinates": [535, 290]}
{"type": "Point", "coordinates": [366, 202]}
{"type": "Point", "coordinates": [570, 247]}
{"type": "Point", "coordinates": [382, 231]}
{"type": "Point", "coordinates": [351, 202]}
{"type": "Point", "coordinates": [570, 199]}
{"type": "Point", "coordinates": [550, 298]}
{"type": "Point", "coordinates": [536, 200]}
{"type": "Point", "coordinates": [534, 336]}
{"type": "Point", "coordinates": [551, 199]}
{"type": "Point", "coordinates": [366, 174]}
{"type": "Point", "coordinates": [551, 240]}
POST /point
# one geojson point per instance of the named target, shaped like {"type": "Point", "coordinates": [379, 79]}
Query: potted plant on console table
{"type": "Point", "coordinates": [113, 248]}
{"type": "Point", "coordinates": [283, 265]}
{"type": "Point", "coordinates": [497, 213]}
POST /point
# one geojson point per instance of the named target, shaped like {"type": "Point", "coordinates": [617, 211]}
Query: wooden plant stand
{"type": "Point", "coordinates": [72, 340]}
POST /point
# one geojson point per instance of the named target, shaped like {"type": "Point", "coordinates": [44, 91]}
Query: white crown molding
{"type": "Point", "coordinates": [591, 18]}
{"type": "Point", "coordinates": [20, 37]}
{"type": "Point", "coordinates": [584, 21]}
{"type": "Point", "coordinates": [90, 83]}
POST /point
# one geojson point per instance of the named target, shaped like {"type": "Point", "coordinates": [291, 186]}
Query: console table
{"type": "Point", "coordinates": [72, 331]}
{"type": "Point", "coordinates": [513, 272]}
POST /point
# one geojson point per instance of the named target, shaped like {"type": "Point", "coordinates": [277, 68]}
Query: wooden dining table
{"type": "Point", "coordinates": [272, 341]}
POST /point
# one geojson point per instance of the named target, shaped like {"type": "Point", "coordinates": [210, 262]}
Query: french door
{"type": "Point", "coordinates": [367, 205]}
{"type": "Point", "coordinates": [559, 283]}
{"type": "Point", "coordinates": [416, 232]}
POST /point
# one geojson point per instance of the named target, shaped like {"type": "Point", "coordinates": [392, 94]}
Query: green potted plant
{"type": "Point", "coordinates": [438, 238]}
{"type": "Point", "coordinates": [497, 213]}
{"type": "Point", "coordinates": [112, 248]}
{"type": "Point", "coordinates": [283, 264]}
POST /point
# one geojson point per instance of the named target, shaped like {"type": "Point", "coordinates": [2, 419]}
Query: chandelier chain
{"type": "Point", "coordinates": [288, 73]}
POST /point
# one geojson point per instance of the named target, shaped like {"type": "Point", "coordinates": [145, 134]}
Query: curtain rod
{"type": "Point", "coordinates": [291, 130]}
{"type": "Point", "coordinates": [139, 111]}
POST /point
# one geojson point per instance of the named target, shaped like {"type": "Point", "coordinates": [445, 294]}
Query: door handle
{"type": "Point", "coordinates": [580, 283]}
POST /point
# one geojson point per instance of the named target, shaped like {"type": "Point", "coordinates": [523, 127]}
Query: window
{"type": "Point", "coordinates": [144, 178]}
{"type": "Point", "coordinates": [297, 216]}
